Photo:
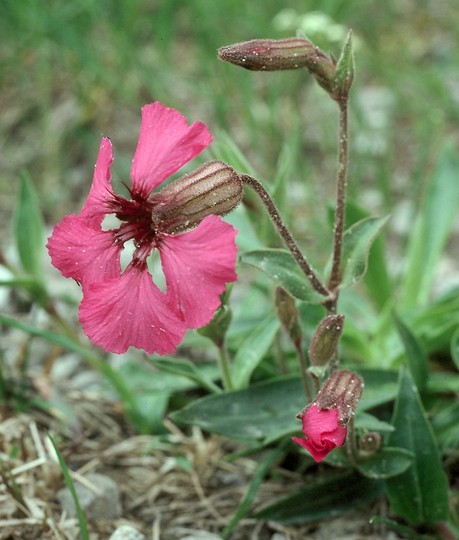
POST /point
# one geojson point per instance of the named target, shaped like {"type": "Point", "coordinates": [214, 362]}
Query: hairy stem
{"type": "Point", "coordinates": [340, 212]}
{"type": "Point", "coordinates": [303, 371]}
{"type": "Point", "coordinates": [286, 235]}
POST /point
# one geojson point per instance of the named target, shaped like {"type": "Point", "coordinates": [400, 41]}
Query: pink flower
{"type": "Point", "coordinates": [125, 307]}
{"type": "Point", "coordinates": [322, 430]}
{"type": "Point", "coordinates": [325, 421]}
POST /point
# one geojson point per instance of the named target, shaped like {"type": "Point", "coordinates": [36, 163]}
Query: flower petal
{"type": "Point", "coordinates": [95, 207]}
{"type": "Point", "coordinates": [83, 253]}
{"type": "Point", "coordinates": [320, 424]}
{"type": "Point", "coordinates": [130, 311]}
{"type": "Point", "coordinates": [165, 144]}
{"type": "Point", "coordinates": [197, 265]}
{"type": "Point", "coordinates": [318, 452]}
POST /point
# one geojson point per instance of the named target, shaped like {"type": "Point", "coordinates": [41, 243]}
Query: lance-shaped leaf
{"type": "Point", "coordinates": [252, 350]}
{"type": "Point", "coordinates": [432, 228]}
{"type": "Point", "coordinates": [332, 496]}
{"type": "Point", "coordinates": [28, 227]}
{"type": "Point", "coordinates": [281, 267]}
{"type": "Point", "coordinates": [357, 242]}
{"type": "Point", "coordinates": [385, 463]}
{"type": "Point", "coordinates": [415, 354]}
{"type": "Point", "coordinates": [266, 412]}
{"type": "Point", "coordinates": [455, 348]}
{"type": "Point", "coordinates": [418, 495]}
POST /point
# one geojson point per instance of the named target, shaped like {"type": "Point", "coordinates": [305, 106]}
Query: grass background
{"type": "Point", "coordinates": [74, 70]}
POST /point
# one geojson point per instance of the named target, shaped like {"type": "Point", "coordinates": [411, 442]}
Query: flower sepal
{"type": "Point", "coordinates": [213, 189]}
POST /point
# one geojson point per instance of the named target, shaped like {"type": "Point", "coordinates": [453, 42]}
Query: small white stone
{"type": "Point", "coordinates": [126, 532]}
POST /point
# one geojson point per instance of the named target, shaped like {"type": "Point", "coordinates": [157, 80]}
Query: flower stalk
{"type": "Point", "coordinates": [224, 367]}
{"type": "Point", "coordinates": [286, 235]}
{"type": "Point", "coordinates": [340, 211]}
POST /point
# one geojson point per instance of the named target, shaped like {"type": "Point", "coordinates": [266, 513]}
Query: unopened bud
{"type": "Point", "coordinates": [281, 54]}
{"type": "Point", "coordinates": [341, 391]}
{"type": "Point", "coordinates": [218, 326]}
{"type": "Point", "coordinates": [215, 188]}
{"type": "Point", "coordinates": [325, 340]}
{"type": "Point", "coordinates": [345, 71]}
{"type": "Point", "coordinates": [288, 314]}
{"type": "Point", "coordinates": [370, 442]}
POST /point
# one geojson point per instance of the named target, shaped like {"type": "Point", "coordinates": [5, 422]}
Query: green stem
{"type": "Point", "coordinates": [351, 447]}
{"type": "Point", "coordinates": [224, 365]}
{"type": "Point", "coordinates": [340, 212]}
{"type": "Point", "coordinates": [304, 372]}
{"type": "Point", "coordinates": [286, 235]}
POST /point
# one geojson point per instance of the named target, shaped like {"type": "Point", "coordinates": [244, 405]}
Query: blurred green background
{"type": "Point", "coordinates": [72, 70]}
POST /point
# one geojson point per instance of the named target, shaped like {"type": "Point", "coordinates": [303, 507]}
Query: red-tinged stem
{"type": "Point", "coordinates": [286, 235]}
{"type": "Point", "coordinates": [340, 212]}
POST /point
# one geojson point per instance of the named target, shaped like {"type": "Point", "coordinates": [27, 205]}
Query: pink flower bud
{"type": "Point", "coordinates": [323, 431]}
{"type": "Point", "coordinates": [326, 339]}
{"type": "Point", "coordinates": [213, 189]}
{"type": "Point", "coordinates": [288, 314]}
{"type": "Point", "coordinates": [282, 54]}
{"type": "Point", "coordinates": [324, 422]}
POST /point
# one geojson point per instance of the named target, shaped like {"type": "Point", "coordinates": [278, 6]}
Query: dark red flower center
{"type": "Point", "coordinates": [137, 224]}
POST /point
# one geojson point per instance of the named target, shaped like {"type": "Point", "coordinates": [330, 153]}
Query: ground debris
{"type": "Point", "coordinates": [171, 488]}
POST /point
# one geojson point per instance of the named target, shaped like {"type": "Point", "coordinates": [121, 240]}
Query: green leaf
{"type": "Point", "coordinates": [415, 354]}
{"type": "Point", "coordinates": [377, 278]}
{"type": "Point", "coordinates": [368, 422]}
{"type": "Point", "coordinates": [345, 70]}
{"type": "Point", "coordinates": [324, 498]}
{"type": "Point", "coordinates": [357, 241]}
{"type": "Point", "coordinates": [252, 350]}
{"type": "Point", "coordinates": [418, 495]}
{"type": "Point", "coordinates": [437, 321]}
{"type": "Point", "coordinates": [444, 424]}
{"type": "Point", "coordinates": [262, 412]}
{"type": "Point", "coordinates": [380, 387]}
{"type": "Point", "coordinates": [432, 228]}
{"type": "Point", "coordinates": [28, 227]}
{"type": "Point", "coordinates": [180, 367]}
{"type": "Point", "coordinates": [455, 348]}
{"type": "Point", "coordinates": [401, 530]}
{"type": "Point", "coordinates": [68, 480]}
{"type": "Point", "coordinates": [267, 411]}
{"type": "Point", "coordinates": [281, 267]}
{"type": "Point", "coordinates": [443, 382]}
{"type": "Point", "coordinates": [385, 463]}
{"type": "Point", "coordinates": [262, 470]}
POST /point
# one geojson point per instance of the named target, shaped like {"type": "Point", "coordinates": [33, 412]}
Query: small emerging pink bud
{"type": "Point", "coordinates": [212, 189]}
{"type": "Point", "coordinates": [324, 422]}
